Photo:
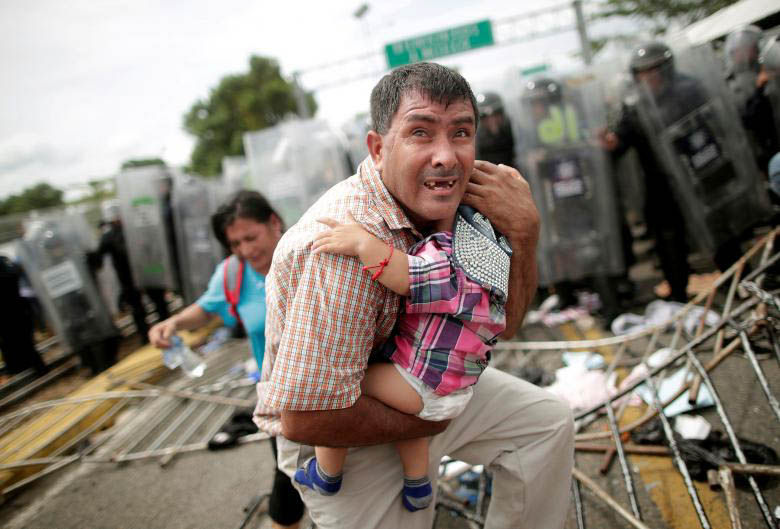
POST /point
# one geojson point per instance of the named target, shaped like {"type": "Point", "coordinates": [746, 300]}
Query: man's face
{"type": "Point", "coordinates": [426, 157]}
{"type": "Point", "coordinates": [652, 79]}
{"type": "Point", "coordinates": [492, 122]}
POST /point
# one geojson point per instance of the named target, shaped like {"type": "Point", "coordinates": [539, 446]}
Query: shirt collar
{"type": "Point", "coordinates": [387, 207]}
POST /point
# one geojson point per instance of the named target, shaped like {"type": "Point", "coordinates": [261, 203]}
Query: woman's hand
{"type": "Point", "coordinates": [160, 334]}
{"type": "Point", "coordinates": [343, 239]}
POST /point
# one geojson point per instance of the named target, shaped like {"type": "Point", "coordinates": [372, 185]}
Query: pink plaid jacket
{"type": "Point", "coordinates": [450, 324]}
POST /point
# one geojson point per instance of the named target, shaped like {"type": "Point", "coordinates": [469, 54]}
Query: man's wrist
{"type": "Point", "coordinates": [523, 236]}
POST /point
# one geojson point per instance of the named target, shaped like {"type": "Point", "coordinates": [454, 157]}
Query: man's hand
{"type": "Point", "coordinates": [763, 77]}
{"type": "Point", "coordinates": [504, 197]}
{"type": "Point", "coordinates": [607, 139]}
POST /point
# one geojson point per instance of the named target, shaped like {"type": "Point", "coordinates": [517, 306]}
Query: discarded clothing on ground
{"type": "Point", "coordinates": [239, 425]}
{"type": "Point", "coordinates": [658, 312]}
{"type": "Point", "coordinates": [535, 375]}
{"type": "Point", "coordinates": [668, 386]}
{"type": "Point", "coordinates": [701, 455]}
{"type": "Point", "coordinates": [582, 388]}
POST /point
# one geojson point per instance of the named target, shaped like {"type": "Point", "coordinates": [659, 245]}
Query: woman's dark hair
{"type": "Point", "coordinates": [243, 205]}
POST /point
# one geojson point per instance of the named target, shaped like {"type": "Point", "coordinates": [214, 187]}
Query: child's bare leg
{"type": "Point", "coordinates": [417, 492]}
{"type": "Point", "coordinates": [322, 472]}
{"type": "Point", "coordinates": [414, 457]}
{"type": "Point", "coordinates": [385, 383]}
{"type": "Point", "coordinates": [331, 459]}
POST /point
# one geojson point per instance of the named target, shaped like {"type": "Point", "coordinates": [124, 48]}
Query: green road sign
{"type": "Point", "coordinates": [439, 44]}
{"type": "Point", "coordinates": [533, 70]}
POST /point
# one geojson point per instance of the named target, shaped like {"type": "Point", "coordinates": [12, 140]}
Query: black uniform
{"type": "Point", "coordinates": [16, 325]}
{"type": "Point", "coordinates": [758, 118]}
{"type": "Point", "coordinates": [662, 212]}
{"type": "Point", "coordinates": [496, 148]}
{"type": "Point", "coordinates": [112, 242]}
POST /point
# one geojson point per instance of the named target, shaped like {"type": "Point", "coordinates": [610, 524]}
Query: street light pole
{"type": "Point", "coordinates": [300, 97]}
{"type": "Point", "coordinates": [587, 55]}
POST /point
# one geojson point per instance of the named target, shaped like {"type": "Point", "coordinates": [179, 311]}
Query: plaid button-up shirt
{"type": "Point", "coordinates": [450, 324]}
{"type": "Point", "coordinates": [324, 314]}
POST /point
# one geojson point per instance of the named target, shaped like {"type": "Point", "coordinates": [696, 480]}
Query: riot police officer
{"type": "Point", "coordinates": [751, 84]}
{"type": "Point", "coordinates": [690, 147]}
{"type": "Point", "coordinates": [112, 242]}
{"type": "Point", "coordinates": [495, 142]}
{"type": "Point", "coordinates": [572, 183]}
{"type": "Point", "coordinates": [54, 259]}
{"type": "Point", "coordinates": [652, 64]}
{"type": "Point", "coordinates": [16, 326]}
{"type": "Point", "coordinates": [741, 54]}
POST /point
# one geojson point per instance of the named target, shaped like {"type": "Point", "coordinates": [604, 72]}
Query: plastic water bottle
{"type": "Point", "coordinates": [180, 354]}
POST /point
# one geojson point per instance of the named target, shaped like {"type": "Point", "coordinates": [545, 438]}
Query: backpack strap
{"type": "Point", "coordinates": [232, 276]}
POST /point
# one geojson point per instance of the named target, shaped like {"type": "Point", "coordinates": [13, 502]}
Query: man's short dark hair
{"type": "Point", "coordinates": [434, 81]}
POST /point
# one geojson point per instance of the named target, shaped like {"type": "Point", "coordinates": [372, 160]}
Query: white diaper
{"type": "Point", "coordinates": [437, 407]}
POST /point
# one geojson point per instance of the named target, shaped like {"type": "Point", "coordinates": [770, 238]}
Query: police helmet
{"type": "Point", "coordinates": [109, 210]}
{"type": "Point", "coordinates": [542, 89]}
{"type": "Point", "coordinates": [741, 47]}
{"type": "Point", "coordinates": [649, 55]}
{"type": "Point", "coordinates": [770, 56]}
{"type": "Point", "coordinates": [489, 103]}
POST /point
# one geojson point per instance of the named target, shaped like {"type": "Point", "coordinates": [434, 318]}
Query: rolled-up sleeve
{"type": "Point", "coordinates": [213, 299]}
{"type": "Point", "coordinates": [328, 333]}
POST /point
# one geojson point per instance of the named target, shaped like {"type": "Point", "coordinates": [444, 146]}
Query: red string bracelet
{"type": "Point", "coordinates": [381, 266]}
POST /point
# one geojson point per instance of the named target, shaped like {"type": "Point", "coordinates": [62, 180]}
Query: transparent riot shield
{"type": "Point", "coordinates": [770, 62]}
{"type": "Point", "coordinates": [144, 200]}
{"type": "Point", "coordinates": [294, 163]}
{"type": "Point", "coordinates": [55, 263]}
{"type": "Point", "coordinates": [235, 173]}
{"type": "Point", "coordinates": [570, 177]}
{"type": "Point", "coordinates": [193, 202]}
{"type": "Point", "coordinates": [356, 130]}
{"type": "Point", "coordinates": [741, 85]}
{"type": "Point", "coordinates": [697, 136]}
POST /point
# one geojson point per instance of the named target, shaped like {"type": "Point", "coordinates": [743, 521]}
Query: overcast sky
{"type": "Point", "coordinates": [88, 84]}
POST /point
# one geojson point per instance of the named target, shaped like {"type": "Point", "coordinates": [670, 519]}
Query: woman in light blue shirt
{"type": "Point", "coordinates": [249, 227]}
{"type": "Point", "coordinates": [251, 306]}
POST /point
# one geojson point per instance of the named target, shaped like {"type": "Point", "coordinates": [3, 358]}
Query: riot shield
{"type": "Point", "coordinates": [55, 263]}
{"type": "Point", "coordinates": [570, 177]}
{"type": "Point", "coordinates": [698, 138]}
{"type": "Point", "coordinates": [742, 84]}
{"type": "Point", "coordinates": [235, 173]}
{"type": "Point", "coordinates": [193, 202]}
{"type": "Point", "coordinates": [770, 61]}
{"type": "Point", "coordinates": [294, 163]}
{"type": "Point", "coordinates": [355, 131]}
{"type": "Point", "coordinates": [144, 200]}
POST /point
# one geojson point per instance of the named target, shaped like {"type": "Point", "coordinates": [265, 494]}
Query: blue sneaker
{"type": "Point", "coordinates": [312, 476]}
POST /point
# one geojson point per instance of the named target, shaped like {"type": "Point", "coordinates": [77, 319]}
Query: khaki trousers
{"type": "Point", "coordinates": [523, 434]}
